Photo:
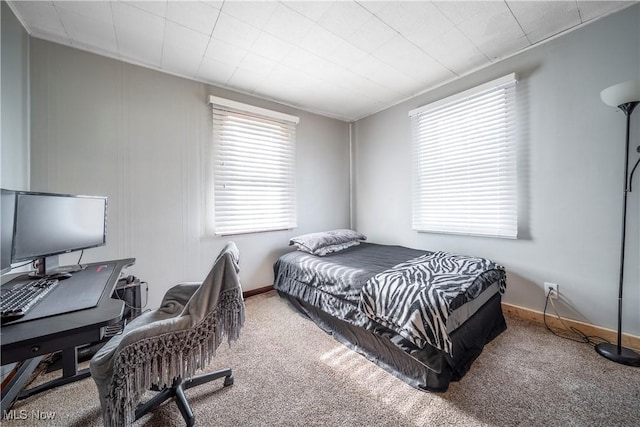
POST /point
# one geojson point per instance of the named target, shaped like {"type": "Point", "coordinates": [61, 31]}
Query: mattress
{"type": "Point", "coordinates": [328, 290]}
{"type": "Point", "coordinates": [333, 282]}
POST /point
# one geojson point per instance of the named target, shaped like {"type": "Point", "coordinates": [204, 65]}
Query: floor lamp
{"type": "Point", "coordinates": [626, 97]}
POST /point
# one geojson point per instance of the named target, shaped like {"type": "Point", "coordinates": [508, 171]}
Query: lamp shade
{"type": "Point", "coordinates": [621, 93]}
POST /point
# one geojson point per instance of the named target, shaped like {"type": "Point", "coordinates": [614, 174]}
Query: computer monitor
{"type": "Point", "coordinates": [7, 207]}
{"type": "Point", "coordinates": [47, 225]}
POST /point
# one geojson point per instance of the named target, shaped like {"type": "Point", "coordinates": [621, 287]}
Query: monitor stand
{"type": "Point", "coordinates": [46, 267]}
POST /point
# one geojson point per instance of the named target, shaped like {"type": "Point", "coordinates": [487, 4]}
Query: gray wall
{"type": "Point", "coordinates": [570, 165]}
{"type": "Point", "coordinates": [141, 137]}
{"type": "Point", "coordinates": [14, 121]}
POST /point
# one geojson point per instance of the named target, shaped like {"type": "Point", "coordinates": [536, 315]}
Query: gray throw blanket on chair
{"type": "Point", "coordinates": [173, 341]}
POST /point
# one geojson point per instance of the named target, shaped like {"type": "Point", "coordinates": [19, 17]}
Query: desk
{"type": "Point", "coordinates": [31, 338]}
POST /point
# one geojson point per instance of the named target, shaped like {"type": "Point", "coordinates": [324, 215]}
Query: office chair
{"type": "Point", "coordinates": [160, 350]}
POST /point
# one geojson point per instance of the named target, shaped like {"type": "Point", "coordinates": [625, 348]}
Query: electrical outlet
{"type": "Point", "coordinates": [551, 288]}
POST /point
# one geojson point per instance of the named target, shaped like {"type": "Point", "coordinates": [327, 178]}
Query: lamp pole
{"type": "Point", "coordinates": [618, 353]}
{"type": "Point", "coordinates": [627, 109]}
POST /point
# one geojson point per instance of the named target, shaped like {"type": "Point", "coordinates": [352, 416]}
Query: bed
{"type": "Point", "coordinates": [350, 293]}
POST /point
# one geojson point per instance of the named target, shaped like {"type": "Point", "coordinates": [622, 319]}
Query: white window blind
{"type": "Point", "coordinates": [465, 162]}
{"type": "Point", "coordinates": [254, 168]}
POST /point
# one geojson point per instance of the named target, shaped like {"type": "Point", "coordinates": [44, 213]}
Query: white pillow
{"type": "Point", "coordinates": [326, 242]}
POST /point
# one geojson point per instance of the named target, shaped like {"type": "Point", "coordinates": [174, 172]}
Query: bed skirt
{"type": "Point", "coordinates": [427, 369]}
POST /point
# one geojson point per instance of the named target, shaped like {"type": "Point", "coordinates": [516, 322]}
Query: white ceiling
{"type": "Point", "coordinates": [343, 59]}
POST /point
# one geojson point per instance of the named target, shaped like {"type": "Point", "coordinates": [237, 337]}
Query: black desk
{"type": "Point", "coordinates": [31, 338]}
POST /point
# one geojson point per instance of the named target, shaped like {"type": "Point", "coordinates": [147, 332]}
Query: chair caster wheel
{"type": "Point", "coordinates": [228, 380]}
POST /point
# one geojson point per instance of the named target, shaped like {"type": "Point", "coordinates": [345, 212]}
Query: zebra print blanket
{"type": "Point", "coordinates": [415, 298]}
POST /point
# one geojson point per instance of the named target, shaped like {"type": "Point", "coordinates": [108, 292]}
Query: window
{"type": "Point", "coordinates": [464, 151]}
{"type": "Point", "coordinates": [254, 168]}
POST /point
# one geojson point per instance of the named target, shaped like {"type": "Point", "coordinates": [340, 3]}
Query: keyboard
{"type": "Point", "coordinates": [17, 301]}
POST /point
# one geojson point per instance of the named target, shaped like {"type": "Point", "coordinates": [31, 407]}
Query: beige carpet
{"type": "Point", "coordinates": [290, 373]}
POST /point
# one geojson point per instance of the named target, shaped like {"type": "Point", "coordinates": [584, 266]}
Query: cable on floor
{"type": "Point", "coordinates": [575, 334]}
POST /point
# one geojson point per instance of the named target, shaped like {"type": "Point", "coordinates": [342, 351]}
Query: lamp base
{"type": "Point", "coordinates": [626, 356]}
